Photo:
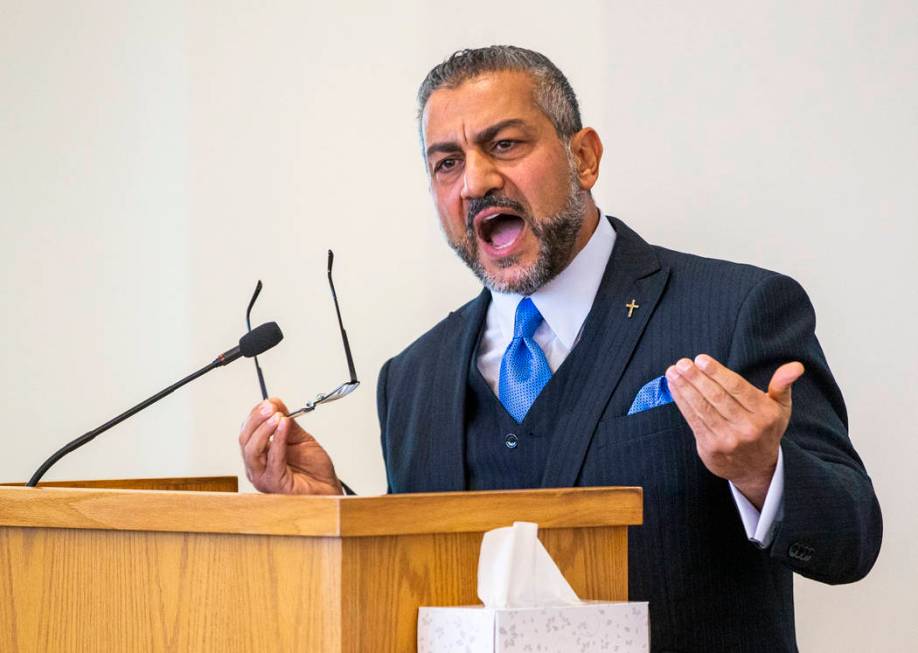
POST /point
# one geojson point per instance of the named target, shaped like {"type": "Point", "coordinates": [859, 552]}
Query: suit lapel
{"type": "Point", "coordinates": [445, 442]}
{"type": "Point", "coordinates": [633, 273]}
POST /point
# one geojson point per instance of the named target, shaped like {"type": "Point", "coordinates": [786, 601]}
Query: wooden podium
{"type": "Point", "coordinates": [98, 569]}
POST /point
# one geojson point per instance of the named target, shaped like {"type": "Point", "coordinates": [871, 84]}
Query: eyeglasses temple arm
{"type": "Point", "coordinates": [347, 346]}
{"type": "Point", "coordinates": [248, 323]}
{"type": "Point", "coordinates": [261, 379]}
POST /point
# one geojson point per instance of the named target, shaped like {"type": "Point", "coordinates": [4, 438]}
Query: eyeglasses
{"type": "Point", "coordinates": [342, 390]}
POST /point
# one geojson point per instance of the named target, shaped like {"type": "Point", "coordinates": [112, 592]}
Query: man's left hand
{"type": "Point", "coordinates": [737, 427]}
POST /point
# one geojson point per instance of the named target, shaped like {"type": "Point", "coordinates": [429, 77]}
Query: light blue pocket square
{"type": "Point", "coordinates": [654, 393]}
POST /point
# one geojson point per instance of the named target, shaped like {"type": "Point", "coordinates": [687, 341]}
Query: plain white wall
{"type": "Point", "coordinates": [158, 158]}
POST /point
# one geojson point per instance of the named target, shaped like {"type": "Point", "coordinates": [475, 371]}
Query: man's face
{"type": "Point", "coordinates": [504, 184]}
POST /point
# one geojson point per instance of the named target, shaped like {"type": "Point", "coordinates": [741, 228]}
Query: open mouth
{"type": "Point", "coordinates": [500, 230]}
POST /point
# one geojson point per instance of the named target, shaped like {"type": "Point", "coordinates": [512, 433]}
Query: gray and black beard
{"type": "Point", "coordinates": [557, 236]}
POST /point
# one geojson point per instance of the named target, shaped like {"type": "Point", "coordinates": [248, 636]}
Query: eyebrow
{"type": "Point", "coordinates": [481, 137]}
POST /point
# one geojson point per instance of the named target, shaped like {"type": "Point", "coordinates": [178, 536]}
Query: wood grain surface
{"type": "Point", "coordinates": [175, 484]}
{"type": "Point", "coordinates": [452, 512]}
{"type": "Point", "coordinates": [263, 514]}
{"type": "Point", "coordinates": [80, 590]}
{"type": "Point", "coordinates": [385, 579]}
{"type": "Point", "coordinates": [129, 570]}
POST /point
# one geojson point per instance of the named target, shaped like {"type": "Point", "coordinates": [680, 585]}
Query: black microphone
{"type": "Point", "coordinates": [255, 342]}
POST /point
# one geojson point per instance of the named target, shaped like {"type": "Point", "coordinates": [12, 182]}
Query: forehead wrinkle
{"type": "Point", "coordinates": [448, 145]}
{"type": "Point", "coordinates": [488, 133]}
{"type": "Point", "coordinates": [480, 137]}
{"type": "Point", "coordinates": [477, 96]}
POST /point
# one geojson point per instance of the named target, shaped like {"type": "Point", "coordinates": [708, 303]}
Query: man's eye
{"type": "Point", "coordinates": [445, 165]}
{"type": "Point", "coordinates": [504, 145]}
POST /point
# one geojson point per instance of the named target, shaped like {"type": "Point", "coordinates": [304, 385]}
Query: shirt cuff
{"type": "Point", "coordinates": [760, 527]}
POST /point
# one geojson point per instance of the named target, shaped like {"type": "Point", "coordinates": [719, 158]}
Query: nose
{"type": "Point", "coordinates": [480, 176]}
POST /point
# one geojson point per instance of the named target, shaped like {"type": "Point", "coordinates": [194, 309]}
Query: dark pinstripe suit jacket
{"type": "Point", "coordinates": [709, 588]}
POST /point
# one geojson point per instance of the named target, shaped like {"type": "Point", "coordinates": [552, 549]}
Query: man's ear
{"type": "Point", "coordinates": [587, 150]}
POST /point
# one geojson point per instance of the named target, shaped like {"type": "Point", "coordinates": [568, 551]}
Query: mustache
{"type": "Point", "coordinates": [479, 204]}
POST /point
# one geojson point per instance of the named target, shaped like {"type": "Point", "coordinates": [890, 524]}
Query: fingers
{"type": "Point", "coordinates": [737, 427]}
{"type": "Point", "coordinates": [262, 411]}
{"type": "Point", "coordinates": [276, 467]}
{"type": "Point", "coordinates": [726, 404]}
{"type": "Point", "coordinates": [746, 394]}
{"type": "Point", "coordinates": [264, 438]}
{"type": "Point", "coordinates": [701, 415]}
{"type": "Point", "coordinates": [784, 377]}
{"type": "Point", "coordinates": [279, 405]}
{"type": "Point", "coordinates": [255, 449]}
{"type": "Point", "coordinates": [267, 408]}
{"type": "Point", "coordinates": [295, 434]}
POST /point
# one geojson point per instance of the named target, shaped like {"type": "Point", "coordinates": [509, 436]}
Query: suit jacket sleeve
{"type": "Point", "coordinates": [830, 528]}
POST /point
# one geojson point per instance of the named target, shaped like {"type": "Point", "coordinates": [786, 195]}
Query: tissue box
{"type": "Point", "coordinates": [591, 626]}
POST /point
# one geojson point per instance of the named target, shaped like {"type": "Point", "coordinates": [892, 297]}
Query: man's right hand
{"type": "Point", "coordinates": [281, 457]}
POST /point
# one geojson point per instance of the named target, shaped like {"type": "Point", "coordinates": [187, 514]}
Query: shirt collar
{"type": "Point", "coordinates": [565, 301]}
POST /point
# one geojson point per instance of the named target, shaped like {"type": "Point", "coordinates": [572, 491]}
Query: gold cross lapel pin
{"type": "Point", "coordinates": [633, 305]}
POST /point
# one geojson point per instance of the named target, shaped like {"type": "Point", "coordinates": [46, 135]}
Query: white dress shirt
{"type": "Point", "coordinates": [564, 303]}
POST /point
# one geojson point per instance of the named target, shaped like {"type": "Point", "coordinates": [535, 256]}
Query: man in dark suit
{"type": "Point", "coordinates": [594, 358]}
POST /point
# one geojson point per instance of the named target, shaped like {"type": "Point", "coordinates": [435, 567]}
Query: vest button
{"type": "Point", "coordinates": [511, 441]}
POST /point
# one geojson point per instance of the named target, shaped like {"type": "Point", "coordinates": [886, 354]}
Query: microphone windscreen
{"type": "Point", "coordinates": [260, 339]}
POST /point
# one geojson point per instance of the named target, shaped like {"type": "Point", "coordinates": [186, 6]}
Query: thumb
{"type": "Point", "coordinates": [779, 388]}
{"type": "Point", "coordinates": [293, 432]}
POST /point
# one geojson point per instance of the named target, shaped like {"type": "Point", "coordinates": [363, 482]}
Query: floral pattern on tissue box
{"type": "Point", "coordinates": [613, 627]}
{"type": "Point", "coordinates": [464, 630]}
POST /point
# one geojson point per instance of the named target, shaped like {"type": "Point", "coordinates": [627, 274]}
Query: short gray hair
{"type": "Point", "coordinates": [553, 93]}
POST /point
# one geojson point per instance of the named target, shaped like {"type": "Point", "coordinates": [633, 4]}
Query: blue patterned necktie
{"type": "Point", "coordinates": [524, 370]}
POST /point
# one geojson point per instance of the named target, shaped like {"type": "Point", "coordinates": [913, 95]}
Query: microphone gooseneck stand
{"type": "Point", "coordinates": [257, 341]}
{"type": "Point", "coordinates": [89, 437]}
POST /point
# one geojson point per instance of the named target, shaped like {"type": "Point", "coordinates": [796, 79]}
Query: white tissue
{"type": "Point", "coordinates": [515, 571]}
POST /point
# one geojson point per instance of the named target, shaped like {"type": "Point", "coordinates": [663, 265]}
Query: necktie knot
{"type": "Point", "coordinates": [527, 319]}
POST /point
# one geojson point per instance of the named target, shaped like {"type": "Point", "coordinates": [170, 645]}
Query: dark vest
{"type": "Point", "coordinates": [503, 455]}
